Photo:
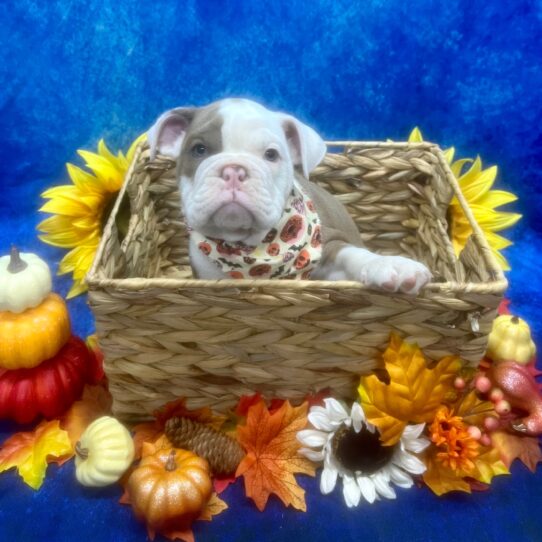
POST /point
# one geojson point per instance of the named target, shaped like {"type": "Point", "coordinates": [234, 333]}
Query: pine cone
{"type": "Point", "coordinates": [221, 451]}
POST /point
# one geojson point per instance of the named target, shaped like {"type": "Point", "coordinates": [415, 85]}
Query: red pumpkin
{"type": "Point", "coordinates": [50, 388]}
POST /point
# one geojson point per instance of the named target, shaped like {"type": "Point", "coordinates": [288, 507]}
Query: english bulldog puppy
{"type": "Point", "coordinates": [251, 211]}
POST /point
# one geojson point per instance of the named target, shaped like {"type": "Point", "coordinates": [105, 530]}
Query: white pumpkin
{"type": "Point", "coordinates": [25, 281]}
{"type": "Point", "coordinates": [104, 453]}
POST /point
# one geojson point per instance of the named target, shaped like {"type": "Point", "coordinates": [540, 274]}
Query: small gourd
{"type": "Point", "coordinates": [29, 338]}
{"type": "Point", "coordinates": [25, 281]}
{"type": "Point", "coordinates": [103, 453]}
{"type": "Point", "coordinates": [170, 488]}
{"type": "Point", "coordinates": [510, 340]}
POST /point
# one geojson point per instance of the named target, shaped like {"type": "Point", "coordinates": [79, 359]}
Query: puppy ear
{"type": "Point", "coordinates": [307, 148]}
{"type": "Point", "coordinates": [167, 134]}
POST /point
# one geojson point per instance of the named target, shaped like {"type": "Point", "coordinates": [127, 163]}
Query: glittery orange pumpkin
{"type": "Point", "coordinates": [170, 488]}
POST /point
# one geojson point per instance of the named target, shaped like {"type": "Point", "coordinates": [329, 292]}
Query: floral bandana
{"type": "Point", "coordinates": [291, 250]}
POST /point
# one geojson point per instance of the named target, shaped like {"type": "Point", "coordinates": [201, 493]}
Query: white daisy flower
{"type": "Point", "coordinates": [350, 447]}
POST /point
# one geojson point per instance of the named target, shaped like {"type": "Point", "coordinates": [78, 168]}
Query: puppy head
{"type": "Point", "coordinates": [235, 161]}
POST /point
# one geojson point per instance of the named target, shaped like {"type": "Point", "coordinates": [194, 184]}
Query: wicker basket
{"type": "Point", "coordinates": [166, 335]}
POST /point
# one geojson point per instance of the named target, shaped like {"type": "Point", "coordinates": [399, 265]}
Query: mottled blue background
{"type": "Point", "coordinates": [466, 71]}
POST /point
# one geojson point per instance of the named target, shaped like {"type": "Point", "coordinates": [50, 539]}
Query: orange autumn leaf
{"type": "Point", "coordinates": [150, 448]}
{"type": "Point", "coordinates": [95, 402]}
{"type": "Point", "coordinates": [145, 432]}
{"type": "Point", "coordinates": [31, 451]}
{"type": "Point", "coordinates": [214, 507]}
{"type": "Point", "coordinates": [414, 392]}
{"type": "Point", "coordinates": [272, 454]}
{"type": "Point", "coordinates": [522, 447]}
{"type": "Point", "coordinates": [442, 479]}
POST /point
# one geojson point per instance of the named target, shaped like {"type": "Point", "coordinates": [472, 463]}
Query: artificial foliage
{"type": "Point", "coordinates": [94, 403]}
{"type": "Point", "coordinates": [272, 457]}
{"type": "Point", "coordinates": [31, 451]}
{"type": "Point", "coordinates": [460, 442]}
{"type": "Point", "coordinates": [413, 394]}
{"type": "Point", "coordinates": [513, 446]}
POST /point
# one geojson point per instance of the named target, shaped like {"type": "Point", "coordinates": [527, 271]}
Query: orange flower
{"type": "Point", "coordinates": [457, 448]}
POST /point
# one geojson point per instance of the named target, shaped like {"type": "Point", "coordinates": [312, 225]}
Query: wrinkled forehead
{"type": "Point", "coordinates": [249, 124]}
{"type": "Point", "coordinates": [235, 125]}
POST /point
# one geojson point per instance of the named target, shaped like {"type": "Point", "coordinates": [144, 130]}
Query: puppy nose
{"type": "Point", "coordinates": [234, 174]}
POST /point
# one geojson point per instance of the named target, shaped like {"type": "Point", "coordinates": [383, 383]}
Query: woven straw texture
{"type": "Point", "coordinates": [166, 335]}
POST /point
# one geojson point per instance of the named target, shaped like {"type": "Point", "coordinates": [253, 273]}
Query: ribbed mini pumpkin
{"type": "Point", "coordinates": [25, 281]}
{"type": "Point", "coordinates": [103, 453]}
{"type": "Point", "coordinates": [510, 340]}
{"type": "Point", "coordinates": [170, 488]}
{"type": "Point", "coordinates": [50, 388]}
{"type": "Point", "coordinates": [32, 336]}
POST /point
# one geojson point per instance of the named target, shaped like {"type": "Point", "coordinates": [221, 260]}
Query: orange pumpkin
{"type": "Point", "coordinates": [170, 488]}
{"type": "Point", "coordinates": [32, 336]}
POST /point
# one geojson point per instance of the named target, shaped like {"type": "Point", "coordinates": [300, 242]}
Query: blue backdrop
{"type": "Point", "coordinates": [466, 71]}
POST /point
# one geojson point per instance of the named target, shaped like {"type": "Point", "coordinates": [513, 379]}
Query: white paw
{"type": "Point", "coordinates": [394, 274]}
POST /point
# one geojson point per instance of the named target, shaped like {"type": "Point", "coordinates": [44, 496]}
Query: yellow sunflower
{"type": "Point", "coordinates": [81, 209]}
{"type": "Point", "coordinates": [476, 183]}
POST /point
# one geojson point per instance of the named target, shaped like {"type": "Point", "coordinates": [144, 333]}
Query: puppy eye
{"type": "Point", "coordinates": [272, 155]}
{"type": "Point", "coordinates": [199, 150]}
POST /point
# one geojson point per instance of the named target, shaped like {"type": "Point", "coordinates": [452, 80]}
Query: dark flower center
{"type": "Point", "coordinates": [361, 451]}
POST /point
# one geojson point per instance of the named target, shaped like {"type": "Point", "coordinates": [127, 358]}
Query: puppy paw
{"type": "Point", "coordinates": [395, 274]}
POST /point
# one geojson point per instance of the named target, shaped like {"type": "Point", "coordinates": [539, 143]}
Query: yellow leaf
{"type": "Point", "coordinates": [473, 410]}
{"type": "Point", "coordinates": [30, 451]}
{"type": "Point", "coordinates": [214, 507]}
{"type": "Point", "coordinates": [441, 479]}
{"type": "Point", "coordinates": [487, 465]}
{"type": "Point", "coordinates": [414, 393]}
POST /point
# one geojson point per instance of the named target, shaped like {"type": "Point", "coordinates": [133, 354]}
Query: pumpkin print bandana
{"type": "Point", "coordinates": [291, 250]}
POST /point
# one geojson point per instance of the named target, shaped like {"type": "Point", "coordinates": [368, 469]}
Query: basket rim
{"type": "Point", "coordinates": [496, 285]}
